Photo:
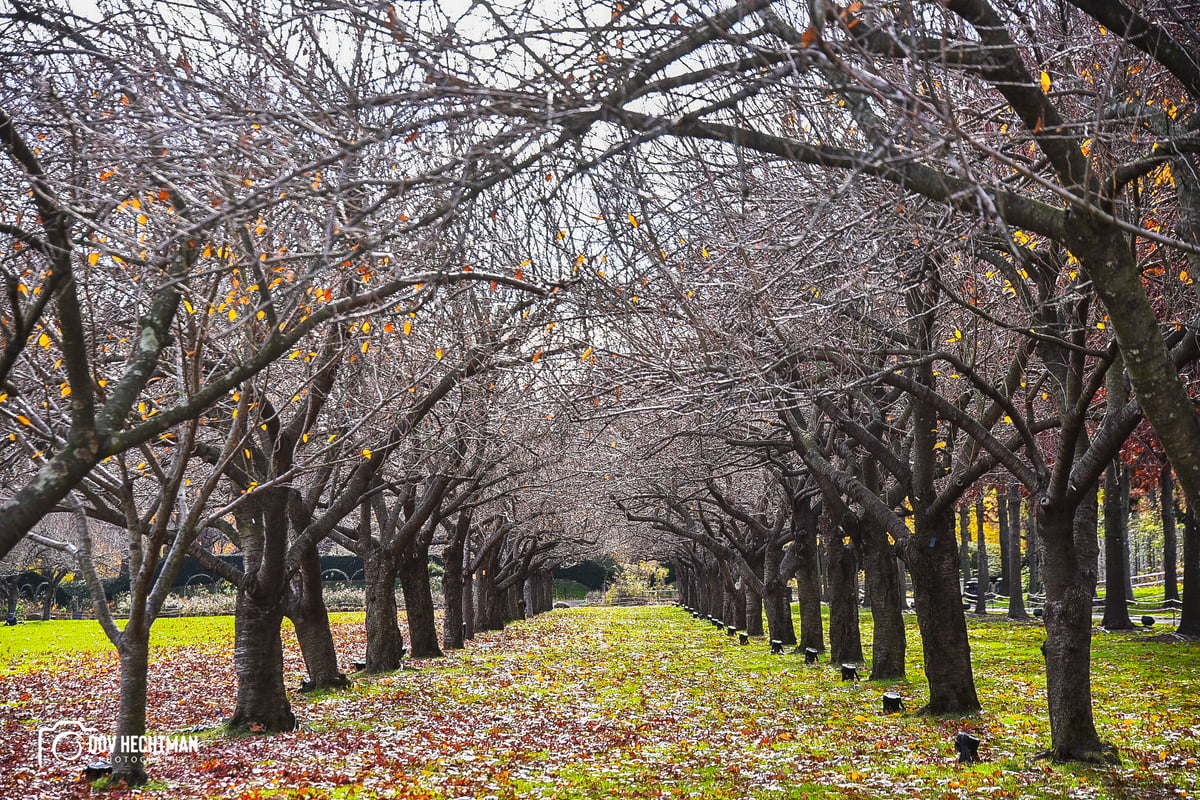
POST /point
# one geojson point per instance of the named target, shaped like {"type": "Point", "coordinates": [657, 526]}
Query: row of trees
{"type": "Point", "coordinates": [756, 277]}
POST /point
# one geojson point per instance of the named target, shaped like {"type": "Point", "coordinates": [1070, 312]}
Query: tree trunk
{"type": "Point", "coordinates": [1189, 618]}
{"type": "Point", "coordinates": [883, 585]}
{"type": "Point", "coordinates": [754, 613]}
{"type": "Point", "coordinates": [1069, 573]}
{"type": "Point", "coordinates": [488, 600]}
{"type": "Point", "coordinates": [385, 644]}
{"type": "Point", "coordinates": [468, 606]}
{"type": "Point", "coordinates": [306, 609]}
{"type": "Point", "coordinates": [262, 702]}
{"type": "Point", "coordinates": [128, 763]}
{"type": "Point", "coordinates": [1116, 564]}
{"type": "Point", "coordinates": [452, 596]}
{"type": "Point", "coordinates": [933, 570]}
{"type": "Point", "coordinates": [841, 568]}
{"type": "Point", "coordinates": [729, 604]}
{"type": "Point", "coordinates": [1166, 495]}
{"type": "Point", "coordinates": [1004, 586]}
{"type": "Point", "coordinates": [983, 575]}
{"type": "Point", "coordinates": [1034, 551]}
{"type": "Point", "coordinates": [418, 604]}
{"type": "Point", "coordinates": [808, 590]}
{"type": "Point", "coordinates": [1016, 591]}
{"type": "Point", "coordinates": [964, 535]}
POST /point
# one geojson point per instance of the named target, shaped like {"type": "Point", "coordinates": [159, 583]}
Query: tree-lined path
{"type": "Point", "coordinates": [633, 702]}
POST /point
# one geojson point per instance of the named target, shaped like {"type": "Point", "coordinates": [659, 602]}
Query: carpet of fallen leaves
{"type": "Point", "coordinates": [623, 703]}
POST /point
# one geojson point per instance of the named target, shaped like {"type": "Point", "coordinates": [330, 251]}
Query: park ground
{"type": "Point", "coordinates": [606, 703]}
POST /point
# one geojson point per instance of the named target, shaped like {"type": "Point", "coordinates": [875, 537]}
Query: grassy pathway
{"type": "Point", "coordinates": [629, 703]}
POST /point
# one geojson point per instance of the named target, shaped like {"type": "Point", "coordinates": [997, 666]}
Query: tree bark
{"type": "Point", "coordinates": [306, 609]}
{"type": "Point", "coordinates": [841, 567]}
{"type": "Point", "coordinates": [1005, 543]}
{"type": "Point", "coordinates": [452, 596]}
{"type": "Point", "coordinates": [129, 765]}
{"type": "Point", "coordinates": [1189, 618]}
{"type": "Point", "coordinates": [883, 584]}
{"type": "Point", "coordinates": [933, 570]}
{"type": "Point", "coordinates": [808, 590]}
{"type": "Point", "coordinates": [1016, 591]}
{"type": "Point", "coordinates": [385, 644]}
{"type": "Point", "coordinates": [964, 534]}
{"type": "Point", "coordinates": [262, 702]}
{"type": "Point", "coordinates": [754, 613]}
{"type": "Point", "coordinates": [468, 605]}
{"type": "Point", "coordinates": [1116, 531]}
{"type": "Point", "coordinates": [983, 571]}
{"type": "Point", "coordinates": [418, 604]}
{"type": "Point", "coordinates": [1069, 573]}
{"type": "Point", "coordinates": [1166, 496]}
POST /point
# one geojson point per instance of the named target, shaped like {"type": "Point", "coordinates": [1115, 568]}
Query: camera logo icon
{"type": "Point", "coordinates": [65, 740]}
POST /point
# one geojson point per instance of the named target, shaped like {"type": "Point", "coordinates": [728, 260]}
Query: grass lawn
{"type": "Point", "coordinates": [609, 702]}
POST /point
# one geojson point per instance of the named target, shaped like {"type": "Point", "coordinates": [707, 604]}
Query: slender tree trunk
{"type": "Point", "coordinates": [306, 609]}
{"type": "Point", "coordinates": [1034, 551]}
{"type": "Point", "coordinates": [1016, 592]}
{"type": "Point", "coordinates": [262, 701]}
{"type": "Point", "coordinates": [1166, 495]}
{"type": "Point", "coordinates": [128, 763]}
{"type": "Point", "coordinates": [468, 605]}
{"type": "Point", "coordinates": [418, 604]}
{"type": "Point", "coordinates": [883, 585]}
{"type": "Point", "coordinates": [983, 573]}
{"type": "Point", "coordinates": [845, 640]}
{"type": "Point", "coordinates": [385, 644]}
{"type": "Point", "coordinates": [964, 535]}
{"type": "Point", "coordinates": [452, 596]}
{"type": "Point", "coordinates": [1116, 529]}
{"type": "Point", "coordinates": [1068, 545]}
{"type": "Point", "coordinates": [808, 590]}
{"type": "Point", "coordinates": [1189, 618]}
{"type": "Point", "coordinates": [1005, 546]}
{"type": "Point", "coordinates": [933, 569]}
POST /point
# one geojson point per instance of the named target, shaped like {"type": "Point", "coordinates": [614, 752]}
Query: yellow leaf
{"type": "Point", "coordinates": [632, 220]}
{"type": "Point", "coordinates": [366, 346]}
{"type": "Point", "coordinates": [407, 327]}
{"type": "Point", "coordinates": [295, 354]}
{"type": "Point", "coordinates": [66, 390]}
{"type": "Point", "coordinates": [44, 340]}
{"type": "Point", "coordinates": [956, 337]}
{"type": "Point", "coordinates": [939, 445]}
{"type": "Point", "coordinates": [142, 409]}
{"type": "Point", "coordinates": [24, 420]}
{"type": "Point", "coordinates": [232, 315]}
{"type": "Point", "coordinates": [437, 353]}
{"type": "Point", "coordinates": [536, 356]}
{"type": "Point", "coordinates": [1045, 81]}
{"type": "Point", "coordinates": [93, 258]}
{"type": "Point", "coordinates": [366, 452]}
{"type": "Point", "coordinates": [586, 353]}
